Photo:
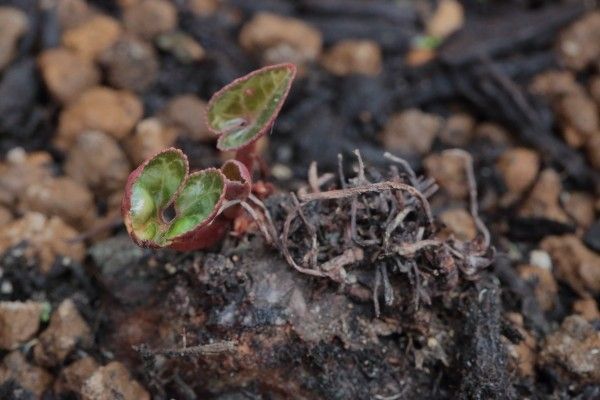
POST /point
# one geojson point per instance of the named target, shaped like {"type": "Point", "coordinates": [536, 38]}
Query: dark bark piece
{"type": "Point", "coordinates": [507, 31]}
{"type": "Point", "coordinates": [391, 11]}
{"type": "Point", "coordinates": [483, 356]}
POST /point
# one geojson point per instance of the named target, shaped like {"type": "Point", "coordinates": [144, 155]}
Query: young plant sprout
{"type": "Point", "coordinates": [205, 202]}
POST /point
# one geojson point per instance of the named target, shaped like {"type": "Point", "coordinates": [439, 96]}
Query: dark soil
{"type": "Point", "coordinates": [238, 321]}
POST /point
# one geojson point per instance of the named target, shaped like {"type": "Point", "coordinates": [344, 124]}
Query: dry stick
{"type": "Point", "coordinates": [473, 194]}
{"type": "Point", "coordinates": [376, 291]}
{"type": "Point", "coordinates": [200, 350]}
{"type": "Point", "coordinates": [388, 292]}
{"type": "Point", "coordinates": [349, 256]}
{"type": "Point", "coordinates": [408, 249]}
{"type": "Point", "coordinates": [372, 187]}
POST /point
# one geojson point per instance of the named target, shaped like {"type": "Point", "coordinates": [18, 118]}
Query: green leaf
{"type": "Point", "coordinates": [161, 181]}
{"type": "Point", "coordinates": [244, 110]}
{"type": "Point", "coordinates": [197, 201]}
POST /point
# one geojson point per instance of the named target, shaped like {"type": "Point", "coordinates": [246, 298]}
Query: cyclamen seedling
{"type": "Point", "coordinates": [205, 201]}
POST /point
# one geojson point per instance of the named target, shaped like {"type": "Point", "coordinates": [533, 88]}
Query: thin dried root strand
{"type": "Point", "coordinates": [349, 256]}
{"type": "Point", "coordinates": [410, 249]}
{"type": "Point", "coordinates": [362, 179]}
{"type": "Point", "coordinates": [341, 171]}
{"type": "Point", "coordinates": [471, 181]}
{"type": "Point", "coordinates": [397, 221]}
{"type": "Point", "coordinates": [259, 222]}
{"type": "Point", "coordinates": [404, 164]}
{"type": "Point", "coordinates": [266, 214]}
{"type": "Point", "coordinates": [372, 187]}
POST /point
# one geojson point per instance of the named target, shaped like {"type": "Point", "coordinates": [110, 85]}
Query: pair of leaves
{"type": "Point", "coordinates": [240, 114]}
{"type": "Point", "coordinates": [163, 181]}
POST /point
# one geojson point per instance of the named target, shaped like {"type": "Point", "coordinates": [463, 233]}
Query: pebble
{"type": "Point", "coordinates": [114, 112]}
{"type": "Point", "coordinates": [92, 38]}
{"type": "Point", "coordinates": [592, 148]}
{"type": "Point", "coordinates": [522, 354]}
{"type": "Point", "coordinates": [579, 44]}
{"type": "Point", "coordinates": [72, 13]}
{"type": "Point", "coordinates": [580, 207]}
{"type": "Point", "coordinates": [545, 286]}
{"type": "Point", "coordinates": [131, 64]}
{"type": "Point", "coordinates": [20, 171]}
{"type": "Point", "coordinates": [460, 223]}
{"type": "Point", "coordinates": [574, 263]}
{"type": "Point", "coordinates": [448, 17]}
{"type": "Point", "coordinates": [203, 8]}
{"type": "Point", "coordinates": [448, 170]}
{"type": "Point", "coordinates": [587, 308]}
{"type": "Point", "coordinates": [19, 321]}
{"type": "Point", "coordinates": [184, 47]}
{"type": "Point", "coordinates": [34, 379]}
{"type": "Point", "coordinates": [73, 376]}
{"type": "Point", "coordinates": [149, 18]}
{"type": "Point", "coordinates": [67, 330]}
{"type": "Point", "coordinates": [411, 132]}
{"type": "Point", "coordinates": [543, 200]}
{"type": "Point", "coordinates": [458, 130]}
{"type": "Point", "coordinates": [13, 24]}
{"type": "Point", "coordinates": [578, 113]}
{"type": "Point", "coordinates": [113, 381]}
{"type": "Point", "coordinates": [103, 172]}
{"type": "Point", "coordinates": [353, 57]}
{"type": "Point", "coordinates": [66, 74]}
{"type": "Point", "coordinates": [281, 39]}
{"type": "Point", "coordinates": [151, 136]}
{"type": "Point", "coordinates": [518, 167]}
{"type": "Point", "coordinates": [541, 259]}
{"type": "Point", "coordinates": [187, 113]}
{"type": "Point", "coordinates": [594, 88]}
{"type": "Point", "coordinates": [46, 237]}
{"type": "Point", "coordinates": [555, 84]}
{"type": "Point", "coordinates": [573, 351]}
{"type": "Point", "coordinates": [62, 197]}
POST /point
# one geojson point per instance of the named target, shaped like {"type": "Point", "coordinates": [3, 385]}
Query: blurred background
{"type": "Point", "coordinates": [91, 88]}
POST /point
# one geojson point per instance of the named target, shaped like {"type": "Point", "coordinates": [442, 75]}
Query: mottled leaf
{"type": "Point", "coordinates": [243, 111]}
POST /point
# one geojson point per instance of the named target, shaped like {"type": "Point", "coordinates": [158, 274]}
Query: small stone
{"type": "Point", "coordinates": [587, 308]}
{"type": "Point", "coordinates": [103, 171]}
{"type": "Point", "coordinates": [592, 236]}
{"type": "Point", "coordinates": [19, 321]}
{"type": "Point", "coordinates": [149, 18]}
{"type": "Point", "coordinates": [66, 74]}
{"type": "Point", "coordinates": [448, 17]}
{"type": "Point", "coordinates": [555, 84]}
{"type": "Point", "coordinates": [541, 259]}
{"type": "Point", "coordinates": [15, 367]}
{"type": "Point", "coordinates": [580, 206]}
{"type": "Point", "coordinates": [580, 113]}
{"type": "Point", "coordinates": [353, 57]}
{"type": "Point", "coordinates": [113, 381]}
{"type": "Point", "coordinates": [21, 171]}
{"type": "Point", "coordinates": [411, 131]}
{"type": "Point", "coordinates": [579, 44]}
{"type": "Point", "coordinates": [573, 351]}
{"type": "Point", "coordinates": [519, 167]}
{"type": "Point", "coordinates": [494, 133]}
{"type": "Point", "coordinates": [543, 201]}
{"type": "Point", "coordinates": [72, 13]}
{"type": "Point", "coordinates": [101, 109]}
{"type": "Point", "coordinates": [448, 170]}
{"type": "Point", "coordinates": [203, 8]}
{"type": "Point", "coordinates": [151, 136]}
{"type": "Point", "coordinates": [46, 239]}
{"type": "Point", "coordinates": [458, 130]}
{"type": "Point", "coordinates": [546, 288]}
{"type": "Point", "coordinates": [460, 223]}
{"type": "Point", "coordinates": [188, 113]}
{"type": "Point", "coordinates": [67, 330]}
{"type": "Point", "coordinates": [62, 197]}
{"type": "Point", "coordinates": [523, 354]}
{"type": "Point", "coordinates": [281, 39]}
{"type": "Point", "coordinates": [13, 24]}
{"type": "Point", "coordinates": [184, 47]}
{"type": "Point", "coordinates": [130, 64]}
{"type": "Point", "coordinates": [72, 377]}
{"type": "Point", "coordinates": [93, 37]}
{"type": "Point", "coordinates": [574, 263]}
